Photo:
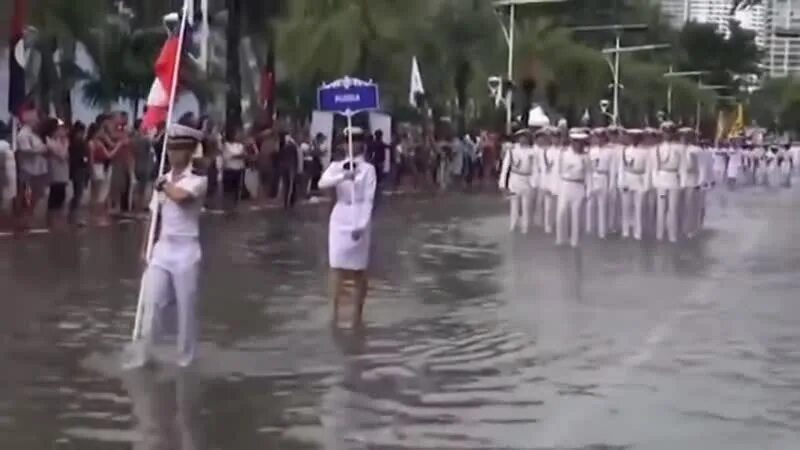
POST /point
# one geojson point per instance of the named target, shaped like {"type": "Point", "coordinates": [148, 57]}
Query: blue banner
{"type": "Point", "coordinates": [348, 95]}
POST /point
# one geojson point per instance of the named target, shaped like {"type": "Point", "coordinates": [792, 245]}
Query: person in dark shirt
{"type": "Point", "coordinates": [376, 154]}
{"type": "Point", "coordinates": [288, 164]}
{"type": "Point", "coordinates": [79, 168]}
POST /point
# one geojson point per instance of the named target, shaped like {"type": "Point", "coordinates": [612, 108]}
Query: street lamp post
{"type": "Point", "coordinates": [704, 87]}
{"type": "Point", "coordinates": [673, 74]}
{"type": "Point", "coordinates": [508, 32]}
{"type": "Point", "coordinates": [617, 50]}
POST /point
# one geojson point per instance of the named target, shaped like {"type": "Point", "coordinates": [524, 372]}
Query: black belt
{"type": "Point", "coordinates": [635, 172]}
{"type": "Point", "coordinates": [601, 172]}
{"type": "Point", "coordinates": [524, 174]}
{"type": "Point", "coordinates": [573, 180]}
{"type": "Point", "coordinates": [668, 170]}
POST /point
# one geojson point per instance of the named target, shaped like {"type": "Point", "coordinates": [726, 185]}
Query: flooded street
{"type": "Point", "coordinates": [475, 339]}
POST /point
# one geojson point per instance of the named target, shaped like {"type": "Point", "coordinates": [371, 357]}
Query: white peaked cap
{"type": "Point", "coordinates": [177, 130]}
{"type": "Point", "coordinates": [538, 118]}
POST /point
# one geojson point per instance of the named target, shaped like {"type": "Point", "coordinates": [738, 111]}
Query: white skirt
{"type": "Point", "coordinates": [344, 252]}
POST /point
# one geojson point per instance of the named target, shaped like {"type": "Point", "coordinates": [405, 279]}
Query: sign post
{"type": "Point", "coordinates": [348, 96]}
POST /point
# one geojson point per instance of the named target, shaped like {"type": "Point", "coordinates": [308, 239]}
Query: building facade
{"type": "Point", "coordinates": [770, 21]}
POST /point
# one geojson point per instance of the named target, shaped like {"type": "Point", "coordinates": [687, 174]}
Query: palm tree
{"type": "Point", "coordinates": [60, 27]}
{"type": "Point", "coordinates": [123, 62]}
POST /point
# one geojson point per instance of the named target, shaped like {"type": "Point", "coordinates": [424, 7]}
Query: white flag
{"type": "Point", "coordinates": [416, 84]}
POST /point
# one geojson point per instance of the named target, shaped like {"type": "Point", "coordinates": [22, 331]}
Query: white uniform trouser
{"type": "Point", "coordinates": [692, 210]}
{"type": "Point", "coordinates": [632, 212]}
{"type": "Point", "coordinates": [550, 200]}
{"type": "Point", "coordinates": [568, 211]}
{"type": "Point", "coordinates": [597, 210]}
{"type": "Point", "coordinates": [667, 207]}
{"type": "Point", "coordinates": [165, 281]}
{"type": "Point", "coordinates": [520, 199]}
{"type": "Point", "coordinates": [614, 217]}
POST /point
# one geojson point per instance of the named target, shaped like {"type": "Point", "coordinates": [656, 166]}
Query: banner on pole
{"type": "Point", "coordinates": [348, 96]}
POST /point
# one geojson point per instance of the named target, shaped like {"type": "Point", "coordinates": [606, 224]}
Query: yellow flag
{"type": "Point", "coordinates": [721, 128]}
{"type": "Point", "coordinates": [738, 126]}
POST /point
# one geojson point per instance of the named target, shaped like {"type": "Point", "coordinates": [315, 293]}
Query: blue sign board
{"type": "Point", "coordinates": [348, 96]}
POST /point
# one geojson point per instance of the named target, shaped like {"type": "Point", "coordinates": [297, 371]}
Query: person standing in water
{"type": "Point", "coordinates": [173, 270]}
{"type": "Point", "coordinates": [354, 181]}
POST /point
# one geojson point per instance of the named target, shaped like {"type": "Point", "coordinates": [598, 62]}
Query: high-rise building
{"type": "Point", "coordinates": [773, 21]}
{"type": "Point", "coordinates": [782, 46]}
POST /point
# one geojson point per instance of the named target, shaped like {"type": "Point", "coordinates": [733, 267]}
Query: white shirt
{"type": "Point", "coordinates": [668, 160]}
{"type": "Point", "coordinates": [573, 167]}
{"type": "Point", "coordinates": [181, 220]}
{"type": "Point", "coordinates": [233, 156]}
{"type": "Point", "coordinates": [517, 170]}
{"type": "Point", "coordinates": [602, 159]}
{"type": "Point", "coordinates": [634, 165]}
{"type": "Point", "coordinates": [354, 198]}
{"type": "Point", "coordinates": [693, 167]}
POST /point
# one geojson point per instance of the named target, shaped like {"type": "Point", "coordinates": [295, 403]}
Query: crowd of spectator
{"type": "Point", "coordinates": [84, 174]}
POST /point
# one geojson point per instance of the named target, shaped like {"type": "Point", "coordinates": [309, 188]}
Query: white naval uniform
{"type": "Point", "coordinates": [602, 185]}
{"type": "Point", "coordinates": [706, 181]}
{"type": "Point", "coordinates": [614, 198]}
{"type": "Point", "coordinates": [634, 183]}
{"type": "Point", "coordinates": [720, 158]}
{"type": "Point", "coordinates": [734, 165]}
{"type": "Point", "coordinates": [773, 169]}
{"type": "Point", "coordinates": [667, 182]}
{"type": "Point", "coordinates": [760, 170]}
{"type": "Point", "coordinates": [174, 268]}
{"type": "Point", "coordinates": [549, 183]}
{"type": "Point", "coordinates": [574, 172]}
{"type": "Point", "coordinates": [794, 151]}
{"type": "Point", "coordinates": [786, 164]}
{"type": "Point", "coordinates": [692, 178]}
{"type": "Point", "coordinates": [352, 212]}
{"type": "Point", "coordinates": [516, 174]}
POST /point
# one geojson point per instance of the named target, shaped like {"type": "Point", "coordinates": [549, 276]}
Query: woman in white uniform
{"type": "Point", "coordinates": [173, 270]}
{"type": "Point", "coordinates": [350, 225]}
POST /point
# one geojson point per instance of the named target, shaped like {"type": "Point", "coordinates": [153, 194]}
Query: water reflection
{"type": "Point", "coordinates": [475, 339]}
{"type": "Point", "coordinates": [165, 409]}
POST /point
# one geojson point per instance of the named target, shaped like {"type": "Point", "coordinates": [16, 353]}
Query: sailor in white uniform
{"type": "Point", "coordinates": [668, 160]}
{"type": "Point", "coordinates": [734, 163]}
{"type": "Point", "coordinates": [785, 164]}
{"type": "Point", "coordinates": [548, 178]}
{"type": "Point", "coordinates": [616, 144]}
{"type": "Point", "coordinates": [634, 183]}
{"type": "Point", "coordinates": [574, 174]}
{"type": "Point", "coordinates": [692, 178]}
{"type": "Point", "coordinates": [720, 165]}
{"type": "Point", "coordinates": [515, 176]}
{"type": "Point", "coordinates": [760, 169]}
{"type": "Point", "coordinates": [794, 154]}
{"type": "Point", "coordinates": [603, 183]}
{"type": "Point", "coordinates": [174, 268]}
{"type": "Point", "coordinates": [349, 230]}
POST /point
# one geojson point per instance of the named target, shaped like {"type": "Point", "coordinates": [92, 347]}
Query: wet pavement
{"type": "Point", "coordinates": [475, 339]}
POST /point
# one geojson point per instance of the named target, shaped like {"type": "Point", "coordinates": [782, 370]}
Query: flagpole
{"type": "Point", "coordinates": [151, 229]}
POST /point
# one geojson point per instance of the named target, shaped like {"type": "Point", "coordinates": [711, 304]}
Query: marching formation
{"type": "Point", "coordinates": [634, 182]}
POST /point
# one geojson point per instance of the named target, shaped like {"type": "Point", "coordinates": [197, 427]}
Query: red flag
{"type": "Point", "coordinates": [17, 59]}
{"type": "Point", "coordinates": [158, 100]}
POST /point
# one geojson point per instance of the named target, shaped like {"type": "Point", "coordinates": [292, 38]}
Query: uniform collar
{"type": "Point", "coordinates": [185, 173]}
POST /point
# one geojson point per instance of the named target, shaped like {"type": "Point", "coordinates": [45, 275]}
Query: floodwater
{"type": "Point", "coordinates": [475, 339]}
